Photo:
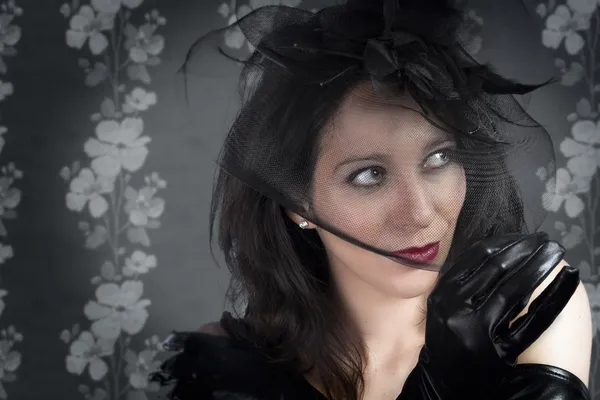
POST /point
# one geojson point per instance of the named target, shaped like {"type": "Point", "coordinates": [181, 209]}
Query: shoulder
{"type": "Point", "coordinates": [567, 343]}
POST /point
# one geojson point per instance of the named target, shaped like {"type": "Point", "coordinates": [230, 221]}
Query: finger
{"type": "Point", "coordinates": [469, 263]}
{"type": "Point", "coordinates": [541, 314]}
{"type": "Point", "coordinates": [525, 278]}
{"type": "Point", "coordinates": [481, 281]}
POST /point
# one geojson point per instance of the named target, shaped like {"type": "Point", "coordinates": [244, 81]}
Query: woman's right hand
{"type": "Point", "coordinates": [470, 344]}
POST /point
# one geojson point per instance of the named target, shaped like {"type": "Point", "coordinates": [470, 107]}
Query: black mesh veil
{"type": "Point", "coordinates": [371, 120]}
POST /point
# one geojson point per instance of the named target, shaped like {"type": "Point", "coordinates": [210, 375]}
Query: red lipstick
{"type": "Point", "coordinates": [422, 255]}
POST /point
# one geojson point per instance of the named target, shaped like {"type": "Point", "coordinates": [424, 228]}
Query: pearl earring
{"type": "Point", "coordinates": [303, 224]}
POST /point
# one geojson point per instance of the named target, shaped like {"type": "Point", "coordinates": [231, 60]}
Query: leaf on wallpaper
{"type": "Point", "coordinates": [572, 117]}
{"type": "Point", "coordinates": [6, 252]}
{"type": "Point", "coordinates": [108, 271]}
{"type": "Point", "coordinates": [585, 271]}
{"type": "Point", "coordinates": [97, 237]}
{"type": "Point", "coordinates": [584, 108]}
{"type": "Point", "coordinates": [96, 75]}
{"type": "Point", "coordinates": [136, 395]}
{"type": "Point", "coordinates": [138, 72]}
{"type": "Point", "coordinates": [153, 61]}
{"type": "Point", "coordinates": [138, 235]}
{"type": "Point", "coordinates": [572, 75]}
{"type": "Point", "coordinates": [541, 10]}
{"type": "Point", "coordinates": [108, 108]}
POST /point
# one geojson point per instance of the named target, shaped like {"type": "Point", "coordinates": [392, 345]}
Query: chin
{"type": "Point", "coordinates": [408, 282]}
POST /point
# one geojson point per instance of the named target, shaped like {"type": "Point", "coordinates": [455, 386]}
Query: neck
{"type": "Point", "coordinates": [389, 326]}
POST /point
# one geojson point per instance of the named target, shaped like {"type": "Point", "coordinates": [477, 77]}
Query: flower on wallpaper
{"type": "Point", "coordinates": [139, 100]}
{"type": "Point", "coordinates": [9, 36]}
{"type": "Point", "coordinates": [143, 44]}
{"type": "Point", "coordinates": [6, 252]}
{"type": "Point", "coordinates": [3, 293]}
{"type": "Point", "coordinates": [113, 6]}
{"type": "Point", "coordinates": [593, 292]}
{"type": "Point", "coordinates": [234, 37]}
{"type": "Point", "coordinates": [140, 366]}
{"type": "Point", "coordinates": [6, 89]}
{"type": "Point", "coordinates": [583, 151]}
{"type": "Point", "coordinates": [570, 75]}
{"type": "Point", "coordinates": [9, 33]}
{"type": "Point", "coordinates": [565, 23]}
{"type": "Point", "coordinates": [86, 351]}
{"type": "Point", "coordinates": [10, 359]}
{"type": "Point", "coordinates": [119, 146]}
{"type": "Point", "coordinates": [87, 26]}
{"type": "Point", "coordinates": [565, 188]}
{"type": "Point", "coordinates": [10, 197]}
{"type": "Point", "coordinates": [118, 309]}
{"type": "Point", "coordinates": [88, 188]}
{"type": "Point", "coordinates": [139, 263]}
{"type": "Point", "coordinates": [142, 206]}
{"type": "Point", "coordinates": [96, 394]}
{"type": "Point", "coordinates": [570, 238]}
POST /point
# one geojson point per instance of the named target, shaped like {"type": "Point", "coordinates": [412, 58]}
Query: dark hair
{"type": "Point", "coordinates": [279, 272]}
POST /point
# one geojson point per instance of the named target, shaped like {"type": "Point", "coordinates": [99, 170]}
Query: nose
{"type": "Point", "coordinates": [412, 202]}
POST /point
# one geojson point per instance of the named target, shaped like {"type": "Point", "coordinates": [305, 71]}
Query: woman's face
{"type": "Point", "coordinates": [383, 177]}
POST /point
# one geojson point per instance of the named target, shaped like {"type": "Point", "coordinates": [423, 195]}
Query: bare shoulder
{"type": "Point", "coordinates": [567, 343]}
{"type": "Point", "coordinates": [213, 328]}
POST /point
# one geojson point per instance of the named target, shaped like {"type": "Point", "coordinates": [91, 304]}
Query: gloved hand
{"type": "Point", "coordinates": [540, 382]}
{"type": "Point", "coordinates": [469, 346]}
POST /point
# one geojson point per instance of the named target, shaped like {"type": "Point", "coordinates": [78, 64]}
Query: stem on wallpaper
{"type": "Point", "coordinates": [124, 390]}
{"type": "Point", "coordinates": [115, 378]}
{"type": "Point", "coordinates": [121, 347]}
{"type": "Point", "coordinates": [106, 385]}
{"type": "Point", "coordinates": [108, 237]}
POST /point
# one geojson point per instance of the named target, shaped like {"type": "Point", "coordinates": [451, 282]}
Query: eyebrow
{"type": "Point", "coordinates": [383, 157]}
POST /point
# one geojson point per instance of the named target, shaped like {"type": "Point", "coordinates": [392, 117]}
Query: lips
{"type": "Point", "coordinates": [420, 254]}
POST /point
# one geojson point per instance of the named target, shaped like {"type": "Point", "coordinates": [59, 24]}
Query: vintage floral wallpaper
{"type": "Point", "coordinates": [104, 194]}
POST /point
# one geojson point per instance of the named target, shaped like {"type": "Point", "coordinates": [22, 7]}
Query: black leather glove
{"type": "Point", "coordinates": [541, 382]}
{"type": "Point", "coordinates": [469, 347]}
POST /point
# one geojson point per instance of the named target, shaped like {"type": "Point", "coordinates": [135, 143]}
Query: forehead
{"type": "Point", "coordinates": [365, 119]}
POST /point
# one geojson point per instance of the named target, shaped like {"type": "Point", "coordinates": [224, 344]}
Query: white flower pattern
{"type": "Point", "coordinates": [565, 188]}
{"type": "Point", "coordinates": [119, 146]}
{"type": "Point", "coordinates": [565, 23]}
{"type": "Point", "coordinates": [117, 309]}
{"type": "Point", "coordinates": [89, 189]}
{"type": "Point", "coordinates": [88, 26]}
{"type": "Point", "coordinates": [86, 351]}
{"type": "Point", "coordinates": [584, 150]}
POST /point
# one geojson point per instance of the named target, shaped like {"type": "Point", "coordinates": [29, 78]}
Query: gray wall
{"type": "Point", "coordinates": [64, 282]}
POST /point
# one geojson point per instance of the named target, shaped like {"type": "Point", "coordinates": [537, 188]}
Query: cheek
{"type": "Point", "coordinates": [450, 194]}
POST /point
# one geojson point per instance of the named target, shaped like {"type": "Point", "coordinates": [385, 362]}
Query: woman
{"type": "Point", "coordinates": [374, 228]}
